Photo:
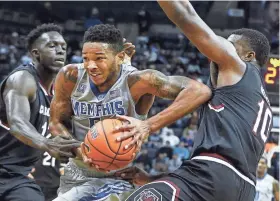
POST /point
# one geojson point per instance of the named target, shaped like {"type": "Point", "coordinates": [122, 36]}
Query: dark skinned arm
{"type": "Point", "coordinates": [19, 92]}
{"type": "Point", "coordinates": [187, 94]}
{"type": "Point", "coordinates": [216, 48]}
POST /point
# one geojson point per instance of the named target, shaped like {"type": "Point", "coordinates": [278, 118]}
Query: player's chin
{"type": "Point", "coordinates": [56, 68]}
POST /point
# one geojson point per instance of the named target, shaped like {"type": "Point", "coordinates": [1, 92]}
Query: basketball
{"type": "Point", "coordinates": [102, 147]}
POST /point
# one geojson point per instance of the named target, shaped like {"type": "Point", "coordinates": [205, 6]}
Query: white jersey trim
{"type": "Point", "coordinates": [3, 126]}
{"type": "Point", "coordinates": [208, 158]}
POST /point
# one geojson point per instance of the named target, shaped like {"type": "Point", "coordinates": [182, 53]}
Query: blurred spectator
{"type": "Point", "coordinates": [144, 21]}
{"type": "Point", "coordinates": [271, 142]}
{"type": "Point", "coordinates": [181, 151]}
{"type": "Point", "coordinates": [174, 163]}
{"type": "Point", "coordinates": [167, 149]}
{"type": "Point", "coordinates": [77, 57]}
{"type": "Point", "coordinates": [267, 187]}
{"type": "Point", "coordinates": [93, 18]}
{"type": "Point", "coordinates": [25, 59]}
{"type": "Point", "coordinates": [144, 159]}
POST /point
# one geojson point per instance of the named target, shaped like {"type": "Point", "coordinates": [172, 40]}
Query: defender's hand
{"type": "Point", "coordinates": [136, 128]}
{"type": "Point", "coordinates": [62, 148]}
{"type": "Point", "coordinates": [129, 48]}
{"type": "Point", "coordinates": [134, 175]}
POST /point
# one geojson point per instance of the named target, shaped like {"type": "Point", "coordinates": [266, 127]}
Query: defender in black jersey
{"type": "Point", "coordinates": [25, 100]}
{"type": "Point", "coordinates": [234, 124]}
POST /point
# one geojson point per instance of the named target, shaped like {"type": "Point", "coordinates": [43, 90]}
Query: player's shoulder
{"type": "Point", "coordinates": [21, 79]}
{"type": "Point", "coordinates": [72, 68]}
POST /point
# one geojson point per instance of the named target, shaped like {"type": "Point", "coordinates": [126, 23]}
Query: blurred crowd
{"type": "Point", "coordinates": [171, 54]}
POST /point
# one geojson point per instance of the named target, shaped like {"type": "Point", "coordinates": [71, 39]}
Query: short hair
{"type": "Point", "coordinates": [264, 158]}
{"type": "Point", "coordinates": [34, 34]}
{"type": "Point", "coordinates": [105, 33]}
{"type": "Point", "coordinates": [257, 41]}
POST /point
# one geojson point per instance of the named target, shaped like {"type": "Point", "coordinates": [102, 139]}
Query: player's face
{"type": "Point", "coordinates": [101, 63]}
{"type": "Point", "coordinates": [51, 51]}
{"type": "Point", "coordinates": [242, 48]}
{"type": "Point", "coordinates": [262, 166]}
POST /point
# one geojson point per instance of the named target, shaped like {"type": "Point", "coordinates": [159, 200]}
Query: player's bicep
{"type": "Point", "coordinates": [199, 33]}
{"type": "Point", "coordinates": [156, 83]}
{"type": "Point", "coordinates": [20, 91]}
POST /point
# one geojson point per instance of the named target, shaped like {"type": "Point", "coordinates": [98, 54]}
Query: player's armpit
{"type": "Point", "coordinates": [199, 33]}
{"type": "Point", "coordinates": [61, 109]}
{"type": "Point", "coordinates": [276, 190]}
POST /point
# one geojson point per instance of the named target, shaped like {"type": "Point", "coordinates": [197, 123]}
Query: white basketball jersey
{"type": "Point", "coordinates": [90, 106]}
{"type": "Point", "coordinates": [264, 188]}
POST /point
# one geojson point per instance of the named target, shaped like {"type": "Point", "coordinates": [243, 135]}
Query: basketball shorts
{"type": "Point", "coordinates": [18, 187]}
{"type": "Point", "coordinates": [79, 184]}
{"type": "Point", "coordinates": [203, 178]}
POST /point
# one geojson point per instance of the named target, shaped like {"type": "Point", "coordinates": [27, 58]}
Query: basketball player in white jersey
{"type": "Point", "coordinates": [267, 187]}
{"type": "Point", "coordinates": [101, 87]}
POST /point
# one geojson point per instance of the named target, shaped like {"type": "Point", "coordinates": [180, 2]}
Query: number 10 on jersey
{"type": "Point", "coordinates": [263, 121]}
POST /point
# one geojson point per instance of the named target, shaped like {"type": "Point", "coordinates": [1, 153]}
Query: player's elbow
{"type": "Point", "coordinates": [201, 91]}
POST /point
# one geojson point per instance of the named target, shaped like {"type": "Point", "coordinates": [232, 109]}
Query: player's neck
{"type": "Point", "coordinates": [46, 77]}
{"type": "Point", "coordinates": [110, 82]}
{"type": "Point", "coordinates": [260, 175]}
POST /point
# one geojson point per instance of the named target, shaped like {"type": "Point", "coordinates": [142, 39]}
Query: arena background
{"type": "Point", "coordinates": [159, 45]}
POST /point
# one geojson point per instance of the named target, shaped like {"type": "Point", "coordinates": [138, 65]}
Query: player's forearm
{"type": "Point", "coordinates": [25, 132]}
{"type": "Point", "coordinates": [158, 176]}
{"type": "Point", "coordinates": [59, 129]}
{"type": "Point", "coordinates": [189, 99]}
{"type": "Point", "coordinates": [179, 12]}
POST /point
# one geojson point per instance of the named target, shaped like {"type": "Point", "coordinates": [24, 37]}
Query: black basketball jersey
{"type": "Point", "coordinates": [235, 123]}
{"type": "Point", "coordinates": [16, 156]}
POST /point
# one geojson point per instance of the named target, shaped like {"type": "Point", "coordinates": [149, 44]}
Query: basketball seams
{"type": "Point", "coordinates": [102, 152]}
{"type": "Point", "coordinates": [97, 149]}
{"type": "Point", "coordinates": [120, 144]}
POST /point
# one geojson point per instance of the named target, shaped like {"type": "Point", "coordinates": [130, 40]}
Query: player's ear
{"type": "Point", "coordinates": [35, 53]}
{"type": "Point", "coordinates": [250, 56]}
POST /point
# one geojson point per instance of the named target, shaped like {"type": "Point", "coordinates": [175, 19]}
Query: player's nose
{"type": "Point", "coordinates": [92, 65]}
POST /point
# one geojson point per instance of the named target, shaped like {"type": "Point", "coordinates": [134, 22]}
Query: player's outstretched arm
{"type": "Point", "coordinates": [61, 109]}
{"type": "Point", "coordinates": [199, 33]}
{"type": "Point", "coordinates": [19, 92]}
{"type": "Point", "coordinates": [187, 94]}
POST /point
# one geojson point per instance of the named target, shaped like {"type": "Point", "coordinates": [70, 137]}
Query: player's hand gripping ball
{"type": "Point", "coordinates": [102, 147]}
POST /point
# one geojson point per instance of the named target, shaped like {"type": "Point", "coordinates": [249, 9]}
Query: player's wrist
{"type": "Point", "coordinates": [43, 145]}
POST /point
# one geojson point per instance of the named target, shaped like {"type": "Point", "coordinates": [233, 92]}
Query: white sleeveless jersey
{"type": "Point", "coordinates": [90, 106]}
{"type": "Point", "coordinates": [264, 188]}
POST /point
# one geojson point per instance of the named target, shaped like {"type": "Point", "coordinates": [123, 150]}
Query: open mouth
{"type": "Point", "coordinates": [60, 60]}
{"type": "Point", "coordinates": [94, 74]}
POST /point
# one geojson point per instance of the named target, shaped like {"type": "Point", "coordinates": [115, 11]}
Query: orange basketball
{"type": "Point", "coordinates": [102, 147]}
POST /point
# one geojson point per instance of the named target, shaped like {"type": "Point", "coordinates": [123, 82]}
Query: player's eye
{"type": "Point", "coordinates": [100, 58]}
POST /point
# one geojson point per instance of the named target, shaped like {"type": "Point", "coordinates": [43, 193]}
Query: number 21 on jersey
{"type": "Point", "coordinates": [48, 160]}
{"type": "Point", "coordinates": [263, 121]}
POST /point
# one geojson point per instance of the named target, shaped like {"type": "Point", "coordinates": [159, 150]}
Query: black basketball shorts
{"type": "Point", "coordinates": [201, 179]}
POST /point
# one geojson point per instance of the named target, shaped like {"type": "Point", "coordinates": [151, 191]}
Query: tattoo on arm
{"type": "Point", "coordinates": [69, 76]}
{"type": "Point", "coordinates": [158, 84]}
